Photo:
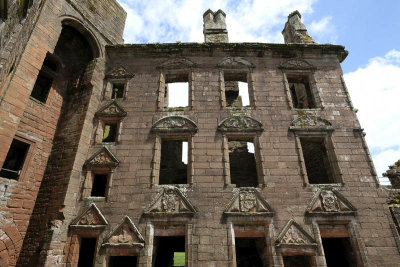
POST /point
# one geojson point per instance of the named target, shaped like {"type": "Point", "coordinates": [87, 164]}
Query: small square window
{"type": "Point", "coordinates": [236, 89]}
{"type": "Point", "coordinates": [15, 160]}
{"type": "Point", "coordinates": [110, 132]}
{"type": "Point", "coordinates": [176, 90]}
{"type": "Point", "coordinates": [100, 184]}
{"type": "Point", "coordinates": [300, 91]}
{"type": "Point", "coordinates": [174, 162]}
{"type": "Point", "coordinates": [118, 90]}
{"type": "Point", "coordinates": [242, 163]}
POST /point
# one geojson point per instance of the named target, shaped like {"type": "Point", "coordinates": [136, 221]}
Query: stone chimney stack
{"type": "Point", "coordinates": [295, 31]}
{"type": "Point", "coordinates": [214, 27]}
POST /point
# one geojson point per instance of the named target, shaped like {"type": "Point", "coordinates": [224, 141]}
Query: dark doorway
{"type": "Point", "coordinates": [251, 252]}
{"type": "Point", "coordinates": [169, 251]}
{"type": "Point", "coordinates": [86, 252]}
{"type": "Point", "coordinates": [123, 261]}
{"type": "Point", "coordinates": [338, 252]}
{"type": "Point", "coordinates": [297, 261]}
{"type": "Point", "coordinates": [173, 166]}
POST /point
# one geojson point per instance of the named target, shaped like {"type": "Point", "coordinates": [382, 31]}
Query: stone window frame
{"type": "Point", "coordinates": [110, 84]}
{"type": "Point", "coordinates": [117, 75]}
{"type": "Point", "coordinates": [102, 117]}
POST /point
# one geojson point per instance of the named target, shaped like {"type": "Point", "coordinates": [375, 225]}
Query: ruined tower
{"type": "Point", "coordinates": [263, 162]}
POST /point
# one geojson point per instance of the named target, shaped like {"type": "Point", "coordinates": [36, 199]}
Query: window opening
{"type": "Point", "coordinates": [318, 166]}
{"type": "Point", "coordinates": [251, 252]}
{"type": "Point", "coordinates": [42, 87]}
{"type": "Point", "coordinates": [120, 261]}
{"type": "Point", "coordinates": [118, 90]}
{"type": "Point", "coordinates": [169, 251]}
{"type": "Point", "coordinates": [242, 163]}
{"type": "Point", "coordinates": [174, 159]}
{"type": "Point", "coordinates": [110, 132]}
{"type": "Point", "coordinates": [86, 252]}
{"type": "Point", "coordinates": [99, 187]}
{"type": "Point", "coordinates": [3, 10]}
{"type": "Point", "coordinates": [301, 92]}
{"type": "Point", "coordinates": [236, 89]}
{"type": "Point", "coordinates": [50, 64]}
{"type": "Point", "coordinates": [297, 261]}
{"type": "Point", "coordinates": [15, 159]}
{"type": "Point", "coordinates": [338, 252]}
{"type": "Point", "coordinates": [176, 90]}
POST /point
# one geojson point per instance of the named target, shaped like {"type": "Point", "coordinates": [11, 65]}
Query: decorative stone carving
{"type": "Point", "coordinates": [174, 124]}
{"type": "Point", "coordinates": [296, 64]}
{"type": "Point", "coordinates": [177, 63]}
{"type": "Point", "coordinates": [235, 63]}
{"type": "Point", "coordinates": [294, 235]}
{"type": "Point", "coordinates": [91, 217]}
{"type": "Point", "coordinates": [112, 109]}
{"type": "Point", "coordinates": [310, 122]}
{"type": "Point", "coordinates": [170, 201]}
{"type": "Point", "coordinates": [248, 201]}
{"type": "Point", "coordinates": [102, 158]}
{"type": "Point", "coordinates": [240, 124]}
{"type": "Point", "coordinates": [119, 72]}
{"type": "Point", "coordinates": [125, 234]}
{"type": "Point", "coordinates": [328, 201]}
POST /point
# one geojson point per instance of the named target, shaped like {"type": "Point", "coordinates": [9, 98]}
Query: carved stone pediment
{"type": "Point", "coordinates": [296, 64]}
{"type": "Point", "coordinates": [293, 235]}
{"type": "Point", "coordinates": [235, 63]}
{"type": "Point", "coordinates": [170, 202]}
{"type": "Point", "coordinates": [177, 63]}
{"type": "Point", "coordinates": [91, 218]}
{"type": "Point", "coordinates": [310, 123]}
{"type": "Point", "coordinates": [248, 202]}
{"type": "Point", "coordinates": [112, 109]}
{"type": "Point", "coordinates": [119, 72]}
{"type": "Point", "coordinates": [240, 124]}
{"type": "Point", "coordinates": [328, 201]}
{"type": "Point", "coordinates": [102, 158]}
{"type": "Point", "coordinates": [125, 235]}
{"type": "Point", "coordinates": [174, 124]}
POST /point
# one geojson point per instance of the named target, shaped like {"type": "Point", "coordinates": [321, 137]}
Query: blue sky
{"type": "Point", "coordinates": [369, 29]}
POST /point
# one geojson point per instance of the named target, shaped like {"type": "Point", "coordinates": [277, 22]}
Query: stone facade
{"type": "Point", "coordinates": [90, 178]}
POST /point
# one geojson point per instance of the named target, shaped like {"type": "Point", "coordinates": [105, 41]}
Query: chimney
{"type": "Point", "coordinates": [295, 31]}
{"type": "Point", "coordinates": [214, 27]}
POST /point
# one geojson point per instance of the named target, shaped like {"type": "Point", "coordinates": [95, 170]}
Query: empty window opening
{"type": "Point", "coordinates": [3, 10]}
{"type": "Point", "coordinates": [251, 252]}
{"type": "Point", "coordinates": [110, 132]}
{"type": "Point", "coordinates": [121, 261]}
{"type": "Point", "coordinates": [117, 90]}
{"type": "Point", "coordinates": [338, 252]}
{"type": "Point", "coordinates": [174, 159]}
{"type": "Point", "coordinates": [236, 89]}
{"type": "Point", "coordinates": [176, 90]}
{"type": "Point", "coordinates": [99, 187]}
{"type": "Point", "coordinates": [86, 252]}
{"type": "Point", "coordinates": [300, 91]}
{"type": "Point", "coordinates": [169, 251]}
{"type": "Point", "coordinates": [318, 166]}
{"type": "Point", "coordinates": [50, 63]}
{"type": "Point", "coordinates": [242, 163]}
{"type": "Point", "coordinates": [297, 261]}
{"type": "Point", "coordinates": [14, 160]}
{"type": "Point", "coordinates": [42, 86]}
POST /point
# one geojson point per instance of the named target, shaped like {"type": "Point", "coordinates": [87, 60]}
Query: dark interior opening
{"type": "Point", "coordinates": [86, 252]}
{"type": "Point", "coordinates": [301, 92]}
{"type": "Point", "coordinates": [297, 261]}
{"type": "Point", "coordinates": [231, 81]}
{"type": "Point", "coordinates": [123, 261]}
{"type": "Point", "coordinates": [175, 82]}
{"type": "Point", "coordinates": [3, 10]}
{"type": "Point", "coordinates": [110, 132]}
{"type": "Point", "coordinates": [169, 251]}
{"type": "Point", "coordinates": [242, 164]}
{"type": "Point", "coordinates": [42, 86]}
{"type": "Point", "coordinates": [50, 63]}
{"type": "Point", "coordinates": [26, 4]}
{"type": "Point", "coordinates": [319, 170]}
{"type": "Point", "coordinates": [117, 90]}
{"type": "Point", "coordinates": [251, 252]}
{"type": "Point", "coordinates": [15, 159]}
{"type": "Point", "coordinates": [99, 185]}
{"type": "Point", "coordinates": [173, 169]}
{"type": "Point", "coordinates": [338, 252]}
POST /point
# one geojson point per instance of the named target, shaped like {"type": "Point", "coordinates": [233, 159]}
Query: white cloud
{"type": "Point", "coordinates": [323, 29]}
{"type": "Point", "coordinates": [375, 91]}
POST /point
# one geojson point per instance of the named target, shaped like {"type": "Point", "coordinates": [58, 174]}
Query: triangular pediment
{"type": "Point", "coordinates": [177, 63]}
{"type": "Point", "coordinates": [90, 218]}
{"type": "Point", "coordinates": [112, 109]}
{"type": "Point", "coordinates": [235, 63]}
{"type": "Point", "coordinates": [170, 201]}
{"type": "Point", "coordinates": [310, 122]}
{"type": "Point", "coordinates": [102, 158]}
{"type": "Point", "coordinates": [119, 72]}
{"type": "Point", "coordinates": [296, 64]}
{"type": "Point", "coordinates": [240, 124]}
{"type": "Point", "coordinates": [328, 201]}
{"type": "Point", "coordinates": [174, 124]}
{"type": "Point", "coordinates": [248, 202]}
{"type": "Point", "coordinates": [294, 235]}
{"type": "Point", "coordinates": [124, 235]}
